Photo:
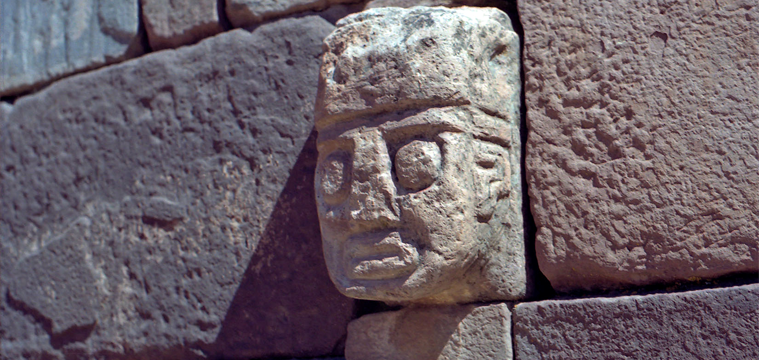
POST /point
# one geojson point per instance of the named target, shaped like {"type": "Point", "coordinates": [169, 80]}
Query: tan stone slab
{"type": "Point", "coordinates": [642, 161]}
{"type": "Point", "coordinates": [172, 23]}
{"type": "Point", "coordinates": [243, 13]}
{"type": "Point", "coordinates": [464, 332]}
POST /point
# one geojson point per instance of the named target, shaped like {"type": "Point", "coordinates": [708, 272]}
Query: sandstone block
{"type": "Point", "coordinates": [641, 158]}
{"type": "Point", "coordinates": [705, 324]}
{"type": "Point", "coordinates": [41, 41]}
{"type": "Point", "coordinates": [242, 13]}
{"type": "Point", "coordinates": [462, 332]}
{"type": "Point", "coordinates": [164, 207]}
{"type": "Point", "coordinates": [419, 180]}
{"type": "Point", "coordinates": [172, 23]}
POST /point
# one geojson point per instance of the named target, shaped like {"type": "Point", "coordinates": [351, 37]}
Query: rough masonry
{"type": "Point", "coordinates": [642, 157]}
{"type": "Point", "coordinates": [703, 324]}
{"type": "Point", "coordinates": [163, 207]}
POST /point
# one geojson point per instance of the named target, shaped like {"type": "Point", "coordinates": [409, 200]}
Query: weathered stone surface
{"type": "Point", "coordinates": [642, 160]}
{"type": "Point", "coordinates": [248, 12]}
{"type": "Point", "coordinates": [57, 282]}
{"type": "Point", "coordinates": [418, 183]}
{"type": "Point", "coordinates": [5, 110]}
{"type": "Point", "coordinates": [705, 324]}
{"type": "Point", "coordinates": [43, 40]}
{"type": "Point", "coordinates": [391, 59]}
{"type": "Point", "coordinates": [462, 332]}
{"type": "Point", "coordinates": [172, 23]}
{"type": "Point", "coordinates": [164, 207]}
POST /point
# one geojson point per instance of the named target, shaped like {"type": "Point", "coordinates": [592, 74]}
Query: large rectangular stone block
{"type": "Point", "coordinates": [642, 161]}
{"type": "Point", "coordinates": [164, 207]}
{"type": "Point", "coordinates": [705, 324]}
{"type": "Point", "coordinates": [44, 40]}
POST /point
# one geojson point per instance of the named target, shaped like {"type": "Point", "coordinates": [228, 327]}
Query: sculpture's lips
{"type": "Point", "coordinates": [378, 256]}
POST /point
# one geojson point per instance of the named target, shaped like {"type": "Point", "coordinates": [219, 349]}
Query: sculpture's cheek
{"type": "Point", "coordinates": [443, 219]}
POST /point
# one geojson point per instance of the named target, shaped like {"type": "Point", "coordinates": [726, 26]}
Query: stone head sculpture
{"type": "Point", "coordinates": [418, 182]}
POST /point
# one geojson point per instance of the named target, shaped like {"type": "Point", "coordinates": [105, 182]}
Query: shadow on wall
{"type": "Point", "coordinates": [279, 308]}
{"type": "Point", "coordinates": [542, 286]}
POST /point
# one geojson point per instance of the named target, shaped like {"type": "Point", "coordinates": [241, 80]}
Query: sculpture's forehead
{"type": "Point", "coordinates": [390, 129]}
{"type": "Point", "coordinates": [435, 120]}
{"type": "Point", "coordinates": [395, 59]}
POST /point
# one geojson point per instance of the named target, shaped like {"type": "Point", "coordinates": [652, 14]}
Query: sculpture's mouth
{"type": "Point", "coordinates": [379, 256]}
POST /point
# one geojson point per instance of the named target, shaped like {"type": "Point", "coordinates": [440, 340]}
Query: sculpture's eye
{"type": "Point", "coordinates": [417, 164]}
{"type": "Point", "coordinates": [334, 174]}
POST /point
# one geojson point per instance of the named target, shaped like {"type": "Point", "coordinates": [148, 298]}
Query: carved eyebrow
{"type": "Point", "coordinates": [389, 127]}
{"type": "Point", "coordinates": [497, 140]}
{"type": "Point", "coordinates": [341, 141]}
{"type": "Point", "coordinates": [411, 129]}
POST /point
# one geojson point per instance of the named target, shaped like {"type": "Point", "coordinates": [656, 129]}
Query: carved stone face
{"type": "Point", "coordinates": [418, 182]}
{"type": "Point", "coordinates": [405, 201]}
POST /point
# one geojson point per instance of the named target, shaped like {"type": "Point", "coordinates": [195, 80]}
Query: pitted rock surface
{"type": "Point", "coordinates": [642, 156]}
{"type": "Point", "coordinates": [58, 282]}
{"type": "Point", "coordinates": [704, 324]}
{"type": "Point", "coordinates": [41, 41]}
{"type": "Point", "coordinates": [163, 207]}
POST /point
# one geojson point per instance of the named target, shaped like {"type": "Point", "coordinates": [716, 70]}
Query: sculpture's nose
{"type": "Point", "coordinates": [371, 203]}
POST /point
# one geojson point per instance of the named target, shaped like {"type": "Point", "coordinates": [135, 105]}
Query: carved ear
{"type": "Point", "coordinates": [491, 178]}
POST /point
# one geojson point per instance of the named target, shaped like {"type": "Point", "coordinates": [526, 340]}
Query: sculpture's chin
{"type": "Point", "coordinates": [405, 295]}
{"type": "Point", "coordinates": [383, 290]}
{"type": "Point", "coordinates": [387, 265]}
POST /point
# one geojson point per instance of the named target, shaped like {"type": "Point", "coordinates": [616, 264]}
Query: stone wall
{"type": "Point", "coordinates": [157, 164]}
{"type": "Point", "coordinates": [163, 207]}
{"type": "Point", "coordinates": [642, 156]}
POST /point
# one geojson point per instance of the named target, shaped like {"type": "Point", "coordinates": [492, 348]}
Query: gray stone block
{"type": "Point", "coordinates": [57, 283]}
{"type": "Point", "coordinates": [641, 157]}
{"type": "Point", "coordinates": [705, 324]}
{"type": "Point", "coordinates": [41, 41]}
{"type": "Point", "coordinates": [164, 207]}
